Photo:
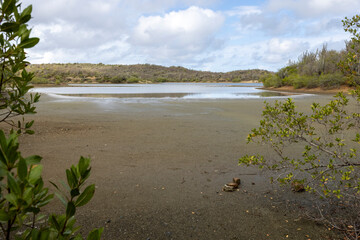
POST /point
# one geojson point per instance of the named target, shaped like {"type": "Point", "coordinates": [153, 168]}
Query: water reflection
{"type": "Point", "coordinates": [163, 91]}
{"type": "Point", "coordinates": [182, 95]}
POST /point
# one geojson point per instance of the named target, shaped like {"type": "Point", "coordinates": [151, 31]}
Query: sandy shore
{"type": "Point", "coordinates": [318, 90]}
{"type": "Point", "coordinates": [159, 168]}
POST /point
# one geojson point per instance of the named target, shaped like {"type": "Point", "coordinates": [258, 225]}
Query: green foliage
{"type": "Point", "coordinates": [22, 191]}
{"type": "Point", "coordinates": [236, 80]}
{"type": "Point", "coordinates": [329, 163]}
{"type": "Point", "coordinates": [39, 80]}
{"type": "Point", "coordinates": [271, 80]}
{"type": "Point", "coordinates": [23, 195]}
{"type": "Point", "coordinates": [133, 79]}
{"type": "Point", "coordinates": [14, 79]}
{"type": "Point", "coordinates": [96, 73]}
{"type": "Point", "coordinates": [330, 81]}
{"type": "Point", "coordinates": [313, 69]}
{"type": "Point", "coordinates": [304, 81]}
{"type": "Point", "coordinates": [118, 79]}
{"type": "Point", "coordinates": [349, 65]}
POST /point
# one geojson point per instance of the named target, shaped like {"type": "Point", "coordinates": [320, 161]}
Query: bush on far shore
{"type": "Point", "coordinates": [324, 81]}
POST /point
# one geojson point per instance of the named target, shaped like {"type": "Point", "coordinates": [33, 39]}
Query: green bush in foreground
{"type": "Point", "coordinates": [23, 195]}
{"type": "Point", "coordinates": [22, 191]}
{"type": "Point", "coordinates": [329, 164]}
{"type": "Point", "coordinates": [14, 79]}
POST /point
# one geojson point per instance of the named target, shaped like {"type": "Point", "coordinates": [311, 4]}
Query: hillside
{"type": "Point", "coordinates": [142, 73]}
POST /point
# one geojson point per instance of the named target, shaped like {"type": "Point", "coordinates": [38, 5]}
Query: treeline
{"type": "Point", "coordinates": [140, 73]}
{"type": "Point", "coordinates": [314, 69]}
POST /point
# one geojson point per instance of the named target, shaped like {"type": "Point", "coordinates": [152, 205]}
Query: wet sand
{"type": "Point", "coordinates": [159, 168]}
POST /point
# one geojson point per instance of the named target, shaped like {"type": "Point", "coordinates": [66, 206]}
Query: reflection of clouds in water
{"type": "Point", "coordinates": [108, 95]}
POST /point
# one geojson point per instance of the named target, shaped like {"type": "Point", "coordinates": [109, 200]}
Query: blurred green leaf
{"type": "Point", "coordinates": [9, 27]}
{"type": "Point", "coordinates": [13, 185]}
{"type": "Point", "coordinates": [22, 169]}
{"type": "Point", "coordinates": [95, 234]}
{"type": "Point", "coordinates": [35, 173]}
{"type": "Point", "coordinates": [33, 160]}
{"type": "Point", "coordinates": [8, 6]}
{"type": "Point", "coordinates": [70, 209]}
{"type": "Point", "coordinates": [4, 217]}
{"type": "Point", "coordinates": [28, 43]}
{"type": "Point", "coordinates": [85, 196]}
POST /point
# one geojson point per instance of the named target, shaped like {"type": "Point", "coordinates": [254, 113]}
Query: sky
{"type": "Point", "coordinates": [207, 35]}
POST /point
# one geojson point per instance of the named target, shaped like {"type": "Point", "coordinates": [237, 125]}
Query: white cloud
{"type": "Point", "coordinates": [178, 33]}
{"type": "Point", "coordinates": [171, 32]}
{"type": "Point", "coordinates": [244, 10]}
{"type": "Point", "coordinates": [316, 8]}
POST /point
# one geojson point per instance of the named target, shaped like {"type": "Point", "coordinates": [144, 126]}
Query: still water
{"type": "Point", "coordinates": [163, 91]}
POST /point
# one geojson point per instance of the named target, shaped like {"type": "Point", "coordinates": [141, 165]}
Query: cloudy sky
{"type": "Point", "coordinates": [215, 35]}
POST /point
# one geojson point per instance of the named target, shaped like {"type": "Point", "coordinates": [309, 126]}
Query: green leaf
{"type": "Point", "coordinates": [61, 198]}
{"type": "Point", "coordinates": [11, 197]}
{"type": "Point", "coordinates": [8, 6]}
{"type": "Point", "coordinates": [53, 220]}
{"type": "Point", "coordinates": [30, 132]}
{"type": "Point", "coordinates": [70, 178]}
{"type": "Point", "coordinates": [26, 14]}
{"type": "Point", "coordinates": [33, 160]}
{"type": "Point", "coordinates": [46, 200]}
{"type": "Point", "coordinates": [83, 166]}
{"type": "Point", "coordinates": [28, 43]}
{"type": "Point", "coordinates": [22, 169]}
{"type": "Point", "coordinates": [9, 27]}
{"type": "Point", "coordinates": [78, 237]}
{"type": "Point", "coordinates": [4, 217]}
{"type": "Point", "coordinates": [13, 185]}
{"type": "Point", "coordinates": [35, 173]}
{"type": "Point", "coordinates": [54, 184]}
{"type": "Point", "coordinates": [74, 192]}
{"type": "Point", "coordinates": [70, 209]}
{"type": "Point", "coordinates": [27, 11]}
{"type": "Point", "coordinates": [85, 196]}
{"type": "Point", "coordinates": [29, 124]}
{"type": "Point", "coordinates": [95, 234]}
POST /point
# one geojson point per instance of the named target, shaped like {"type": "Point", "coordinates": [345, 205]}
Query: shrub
{"type": "Point", "coordinates": [132, 80]}
{"type": "Point", "coordinates": [40, 80]}
{"type": "Point", "coordinates": [118, 79]}
{"type": "Point", "coordinates": [329, 165]}
{"type": "Point", "coordinates": [23, 195]}
{"type": "Point", "coordinates": [299, 81]}
{"type": "Point", "coordinates": [271, 80]}
{"type": "Point", "coordinates": [329, 81]}
{"type": "Point", "coordinates": [22, 191]}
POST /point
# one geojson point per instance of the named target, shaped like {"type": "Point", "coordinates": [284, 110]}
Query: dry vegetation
{"type": "Point", "coordinates": [140, 73]}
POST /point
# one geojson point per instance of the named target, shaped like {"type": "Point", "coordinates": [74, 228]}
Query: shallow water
{"type": "Point", "coordinates": [163, 91]}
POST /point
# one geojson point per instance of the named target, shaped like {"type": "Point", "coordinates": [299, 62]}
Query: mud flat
{"type": "Point", "coordinates": [160, 166]}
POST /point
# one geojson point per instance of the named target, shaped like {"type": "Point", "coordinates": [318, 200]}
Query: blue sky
{"type": "Point", "coordinates": [209, 35]}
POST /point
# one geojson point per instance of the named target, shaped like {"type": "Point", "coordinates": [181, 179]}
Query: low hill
{"type": "Point", "coordinates": [142, 73]}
